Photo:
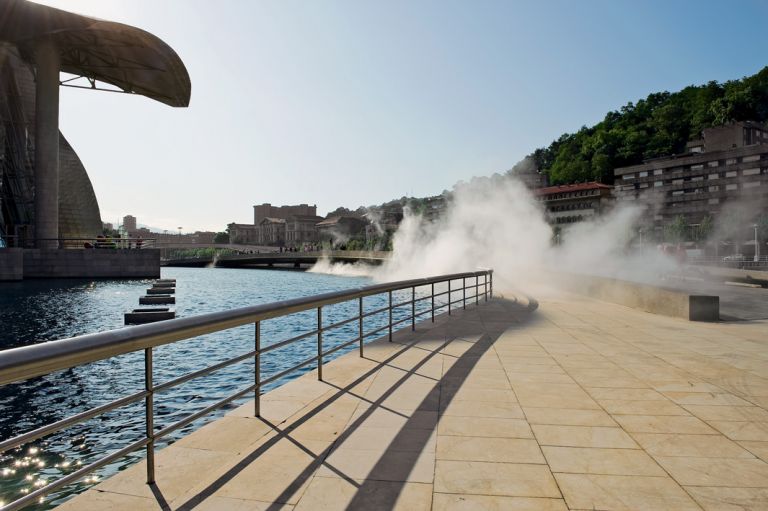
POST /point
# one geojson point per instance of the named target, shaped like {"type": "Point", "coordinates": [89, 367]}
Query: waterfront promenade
{"type": "Point", "coordinates": [576, 404]}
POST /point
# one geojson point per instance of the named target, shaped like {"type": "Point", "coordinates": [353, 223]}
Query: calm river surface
{"type": "Point", "coordinates": [40, 310]}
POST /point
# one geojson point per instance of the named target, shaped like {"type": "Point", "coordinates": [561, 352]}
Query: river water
{"type": "Point", "coordinates": [36, 311]}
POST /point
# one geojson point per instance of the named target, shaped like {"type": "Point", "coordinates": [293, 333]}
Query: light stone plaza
{"type": "Point", "coordinates": [474, 350]}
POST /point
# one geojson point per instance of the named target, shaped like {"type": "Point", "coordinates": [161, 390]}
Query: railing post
{"type": "Point", "coordinates": [433, 302]}
{"type": "Point", "coordinates": [360, 326]}
{"type": "Point", "coordinates": [390, 316]}
{"type": "Point", "coordinates": [413, 309]}
{"type": "Point", "coordinates": [485, 286]}
{"type": "Point", "coordinates": [477, 289]}
{"type": "Point", "coordinates": [320, 343]}
{"type": "Point", "coordinates": [490, 273]}
{"type": "Point", "coordinates": [149, 410]}
{"type": "Point", "coordinates": [464, 292]}
{"type": "Point", "coordinates": [449, 297]}
{"type": "Point", "coordinates": [257, 371]}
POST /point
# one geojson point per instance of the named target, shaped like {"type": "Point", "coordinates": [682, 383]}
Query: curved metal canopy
{"type": "Point", "coordinates": [129, 58]}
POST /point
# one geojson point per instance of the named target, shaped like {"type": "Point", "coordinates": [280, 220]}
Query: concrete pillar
{"type": "Point", "coordinates": [47, 62]}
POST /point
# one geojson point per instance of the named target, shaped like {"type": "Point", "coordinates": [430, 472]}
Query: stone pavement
{"type": "Point", "coordinates": [576, 405]}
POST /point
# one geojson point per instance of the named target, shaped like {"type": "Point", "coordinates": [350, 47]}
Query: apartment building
{"type": "Point", "coordinates": [726, 164]}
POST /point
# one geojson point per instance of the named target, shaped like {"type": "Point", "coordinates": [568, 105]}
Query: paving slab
{"type": "Point", "coordinates": [576, 404]}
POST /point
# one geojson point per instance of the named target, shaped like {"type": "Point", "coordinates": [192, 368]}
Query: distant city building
{"type": "Point", "coordinates": [339, 229]}
{"type": "Point", "coordinates": [294, 231]}
{"type": "Point", "coordinates": [568, 204]}
{"type": "Point", "coordinates": [107, 226]}
{"type": "Point", "coordinates": [301, 229]}
{"type": "Point", "coordinates": [133, 231]}
{"type": "Point", "coordinates": [243, 234]}
{"type": "Point", "coordinates": [730, 136]}
{"type": "Point", "coordinates": [267, 210]}
{"type": "Point", "coordinates": [129, 224]}
{"type": "Point", "coordinates": [726, 164]}
{"type": "Point", "coordinates": [272, 231]}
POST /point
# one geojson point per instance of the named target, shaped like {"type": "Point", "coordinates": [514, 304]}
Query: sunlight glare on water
{"type": "Point", "coordinates": [40, 310]}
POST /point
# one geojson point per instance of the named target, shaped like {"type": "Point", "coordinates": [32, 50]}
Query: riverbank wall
{"type": "Point", "coordinates": [646, 297]}
{"type": "Point", "coordinates": [19, 264]}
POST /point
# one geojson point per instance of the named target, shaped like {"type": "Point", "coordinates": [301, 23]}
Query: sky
{"type": "Point", "coordinates": [354, 103]}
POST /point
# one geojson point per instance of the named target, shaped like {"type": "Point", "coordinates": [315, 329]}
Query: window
{"type": "Point", "coordinates": [751, 184]}
{"type": "Point", "coordinates": [677, 192]}
{"type": "Point", "coordinates": [658, 183]}
{"type": "Point", "coordinates": [697, 167]}
{"type": "Point", "coordinates": [732, 187]}
{"type": "Point", "coordinates": [730, 161]}
{"type": "Point", "coordinates": [697, 178]}
{"type": "Point", "coordinates": [732, 173]}
{"type": "Point", "coordinates": [714, 188]}
{"type": "Point", "coordinates": [677, 181]}
{"type": "Point", "coordinates": [713, 163]}
{"type": "Point", "coordinates": [628, 176]}
{"type": "Point", "coordinates": [754, 157]}
{"type": "Point", "coordinates": [714, 201]}
{"type": "Point", "coordinates": [750, 172]}
{"type": "Point", "coordinates": [657, 172]}
{"type": "Point", "coordinates": [643, 174]}
{"type": "Point", "coordinates": [714, 176]}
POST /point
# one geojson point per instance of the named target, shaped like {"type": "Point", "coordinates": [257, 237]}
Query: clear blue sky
{"type": "Point", "coordinates": [358, 102]}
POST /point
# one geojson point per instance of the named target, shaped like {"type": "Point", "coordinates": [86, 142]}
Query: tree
{"type": "Point", "coordinates": [221, 237]}
{"type": "Point", "coordinates": [342, 211]}
{"type": "Point", "coordinates": [704, 229]}
{"type": "Point", "coordinates": [659, 125]}
{"type": "Point", "coordinates": [675, 232]}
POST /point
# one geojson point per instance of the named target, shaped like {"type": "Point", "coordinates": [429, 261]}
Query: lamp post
{"type": "Point", "coordinates": [757, 245]}
{"type": "Point", "coordinates": [640, 232]}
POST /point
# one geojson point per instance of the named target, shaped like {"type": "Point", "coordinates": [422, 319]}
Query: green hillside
{"type": "Point", "coordinates": [658, 125]}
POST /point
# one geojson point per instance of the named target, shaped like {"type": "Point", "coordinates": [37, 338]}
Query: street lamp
{"type": "Point", "coordinates": [757, 245]}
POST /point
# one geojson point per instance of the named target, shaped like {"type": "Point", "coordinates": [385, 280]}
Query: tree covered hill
{"type": "Point", "coordinates": [658, 125]}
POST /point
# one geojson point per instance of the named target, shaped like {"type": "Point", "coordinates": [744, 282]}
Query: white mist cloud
{"type": "Point", "coordinates": [497, 223]}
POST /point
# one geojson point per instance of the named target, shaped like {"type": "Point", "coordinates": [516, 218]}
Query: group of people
{"type": "Point", "coordinates": [303, 248]}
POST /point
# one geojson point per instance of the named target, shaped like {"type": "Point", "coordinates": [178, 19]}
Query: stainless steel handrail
{"type": "Point", "coordinates": [29, 361]}
{"type": "Point", "coordinates": [19, 364]}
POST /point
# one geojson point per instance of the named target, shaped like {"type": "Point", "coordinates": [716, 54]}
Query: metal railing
{"type": "Point", "coordinates": [23, 363]}
{"type": "Point", "coordinates": [79, 243]}
{"type": "Point", "coordinates": [726, 262]}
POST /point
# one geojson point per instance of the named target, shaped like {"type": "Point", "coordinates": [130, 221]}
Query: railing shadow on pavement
{"type": "Point", "coordinates": [518, 315]}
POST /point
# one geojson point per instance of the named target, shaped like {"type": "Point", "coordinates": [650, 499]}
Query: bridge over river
{"type": "Point", "coordinates": [281, 259]}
